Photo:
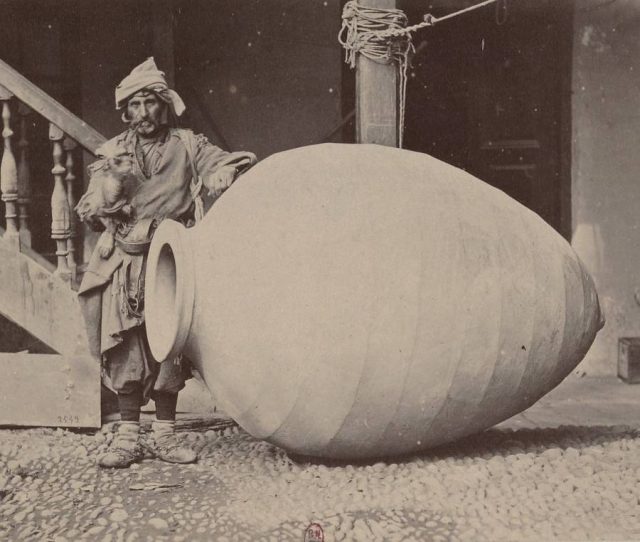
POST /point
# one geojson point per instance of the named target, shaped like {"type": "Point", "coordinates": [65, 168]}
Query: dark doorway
{"type": "Point", "coordinates": [489, 93]}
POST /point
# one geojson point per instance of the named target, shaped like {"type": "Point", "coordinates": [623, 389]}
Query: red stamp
{"type": "Point", "coordinates": [314, 533]}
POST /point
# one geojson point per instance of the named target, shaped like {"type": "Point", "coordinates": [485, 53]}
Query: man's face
{"type": "Point", "coordinates": [145, 110]}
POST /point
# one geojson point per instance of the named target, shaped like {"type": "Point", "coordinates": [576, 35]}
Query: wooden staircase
{"type": "Point", "coordinates": [61, 389]}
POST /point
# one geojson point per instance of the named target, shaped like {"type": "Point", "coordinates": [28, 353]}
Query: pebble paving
{"type": "Point", "coordinates": [564, 484]}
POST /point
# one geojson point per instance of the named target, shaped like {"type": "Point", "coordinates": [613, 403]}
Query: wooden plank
{"type": "Point", "coordinates": [41, 303]}
{"type": "Point", "coordinates": [49, 108]}
{"type": "Point", "coordinates": [565, 17]}
{"type": "Point", "coordinates": [49, 390]}
{"type": "Point", "coordinates": [39, 258]}
{"type": "Point", "coordinates": [376, 95]}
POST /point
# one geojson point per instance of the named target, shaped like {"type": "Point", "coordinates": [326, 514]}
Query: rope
{"type": "Point", "coordinates": [366, 29]}
{"type": "Point", "coordinates": [430, 20]}
{"type": "Point", "coordinates": [383, 36]}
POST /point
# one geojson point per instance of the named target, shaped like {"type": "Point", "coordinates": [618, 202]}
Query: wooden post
{"type": "Point", "coordinates": [60, 221]}
{"type": "Point", "coordinates": [9, 173]}
{"type": "Point", "coordinates": [24, 177]}
{"type": "Point", "coordinates": [163, 39]}
{"type": "Point", "coordinates": [69, 146]}
{"type": "Point", "coordinates": [376, 95]}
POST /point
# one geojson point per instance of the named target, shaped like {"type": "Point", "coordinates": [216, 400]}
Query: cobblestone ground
{"type": "Point", "coordinates": [569, 483]}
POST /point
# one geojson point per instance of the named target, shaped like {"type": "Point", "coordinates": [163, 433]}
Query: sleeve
{"type": "Point", "coordinates": [218, 168]}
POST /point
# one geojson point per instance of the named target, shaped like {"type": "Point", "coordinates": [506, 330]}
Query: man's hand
{"type": "Point", "coordinates": [221, 180]}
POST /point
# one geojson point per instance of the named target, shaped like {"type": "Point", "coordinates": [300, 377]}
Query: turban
{"type": "Point", "coordinates": [147, 76]}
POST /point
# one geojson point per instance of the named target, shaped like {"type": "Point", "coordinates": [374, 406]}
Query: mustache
{"type": "Point", "coordinates": [134, 123]}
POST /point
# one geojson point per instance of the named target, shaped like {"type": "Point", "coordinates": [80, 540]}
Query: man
{"type": "Point", "coordinates": [169, 168]}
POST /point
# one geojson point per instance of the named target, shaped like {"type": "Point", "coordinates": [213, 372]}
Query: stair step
{"type": "Point", "coordinates": [49, 390]}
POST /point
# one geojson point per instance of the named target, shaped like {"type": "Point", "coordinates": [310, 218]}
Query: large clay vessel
{"type": "Point", "coordinates": [352, 301]}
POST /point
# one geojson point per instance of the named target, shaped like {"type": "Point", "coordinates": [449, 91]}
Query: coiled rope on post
{"type": "Point", "coordinates": [366, 31]}
{"type": "Point", "coordinates": [383, 36]}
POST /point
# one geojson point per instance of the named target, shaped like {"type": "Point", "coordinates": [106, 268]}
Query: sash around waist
{"type": "Point", "coordinates": [138, 238]}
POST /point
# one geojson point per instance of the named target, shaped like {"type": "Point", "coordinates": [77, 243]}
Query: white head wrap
{"type": "Point", "coordinates": [147, 76]}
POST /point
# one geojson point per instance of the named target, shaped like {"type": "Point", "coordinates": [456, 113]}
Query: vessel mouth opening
{"type": "Point", "coordinates": [169, 292]}
{"type": "Point", "coordinates": [161, 312]}
{"type": "Point", "coordinates": [165, 291]}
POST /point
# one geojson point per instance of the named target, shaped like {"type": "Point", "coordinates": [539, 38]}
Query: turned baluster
{"type": "Point", "coordinates": [60, 213]}
{"type": "Point", "coordinates": [69, 145]}
{"type": "Point", "coordinates": [9, 173]}
{"type": "Point", "coordinates": [24, 177]}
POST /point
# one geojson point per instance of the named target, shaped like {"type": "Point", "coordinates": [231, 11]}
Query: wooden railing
{"type": "Point", "coordinates": [20, 98]}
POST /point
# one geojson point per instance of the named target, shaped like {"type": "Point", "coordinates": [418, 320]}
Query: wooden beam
{"type": "Point", "coordinates": [49, 108]}
{"type": "Point", "coordinates": [376, 95]}
{"type": "Point", "coordinates": [163, 38]}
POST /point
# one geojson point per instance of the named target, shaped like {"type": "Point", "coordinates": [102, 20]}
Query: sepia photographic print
{"type": "Point", "coordinates": [319, 270]}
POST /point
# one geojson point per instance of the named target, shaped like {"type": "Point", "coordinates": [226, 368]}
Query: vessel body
{"type": "Point", "coordinates": [354, 301]}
